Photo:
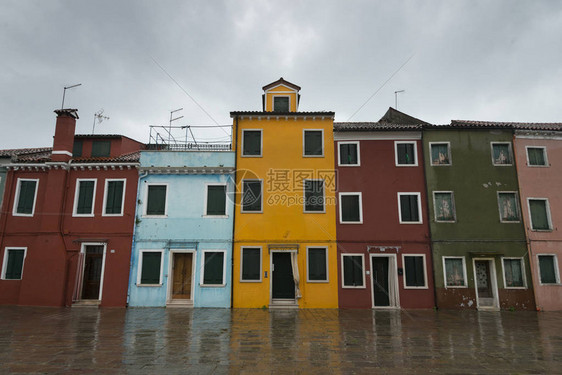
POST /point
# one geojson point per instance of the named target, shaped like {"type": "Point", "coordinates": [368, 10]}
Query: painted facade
{"type": "Point", "coordinates": [285, 233]}
{"type": "Point", "coordinates": [182, 252]}
{"type": "Point", "coordinates": [478, 238]}
{"type": "Point", "coordinates": [538, 155]}
{"type": "Point", "coordinates": [67, 220]}
{"type": "Point", "coordinates": [384, 253]}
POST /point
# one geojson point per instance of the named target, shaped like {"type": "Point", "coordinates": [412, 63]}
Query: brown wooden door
{"type": "Point", "coordinates": [182, 272]}
{"type": "Point", "coordinates": [93, 264]}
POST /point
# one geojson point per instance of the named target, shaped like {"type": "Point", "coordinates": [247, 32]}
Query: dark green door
{"type": "Point", "coordinates": [380, 281]}
{"type": "Point", "coordinates": [283, 283]}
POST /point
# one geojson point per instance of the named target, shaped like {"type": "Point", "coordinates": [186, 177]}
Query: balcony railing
{"type": "Point", "coordinates": [190, 147]}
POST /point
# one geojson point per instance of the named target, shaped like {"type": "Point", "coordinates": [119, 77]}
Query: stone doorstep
{"type": "Point", "coordinates": [186, 304]}
{"type": "Point", "coordinates": [87, 303]}
{"type": "Point", "coordinates": [283, 304]}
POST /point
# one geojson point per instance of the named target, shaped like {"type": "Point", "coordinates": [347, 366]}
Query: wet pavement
{"type": "Point", "coordinates": [220, 341]}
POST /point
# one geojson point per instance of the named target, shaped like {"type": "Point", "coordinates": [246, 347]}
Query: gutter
{"type": "Point", "coordinates": [233, 213]}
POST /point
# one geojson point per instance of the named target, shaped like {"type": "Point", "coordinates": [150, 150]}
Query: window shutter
{"type": "Point", "coordinates": [216, 200]}
{"type": "Point", "coordinates": [251, 200]}
{"type": "Point", "coordinates": [314, 195]}
{"type": "Point", "coordinates": [77, 149]}
{"type": "Point", "coordinates": [352, 271]}
{"type": "Point", "coordinates": [26, 197]}
{"type": "Point", "coordinates": [251, 264]}
{"type": "Point", "coordinates": [539, 218]}
{"type": "Point", "coordinates": [101, 149]}
{"type": "Point", "coordinates": [85, 195]}
{"type": "Point", "coordinates": [409, 207]}
{"type": "Point", "coordinates": [280, 104]}
{"type": "Point", "coordinates": [114, 199]}
{"type": "Point", "coordinates": [213, 271]}
{"type": "Point", "coordinates": [546, 265]}
{"type": "Point", "coordinates": [348, 153]}
{"type": "Point", "coordinates": [317, 264]}
{"type": "Point", "coordinates": [405, 153]}
{"type": "Point", "coordinates": [150, 273]}
{"type": "Point", "coordinates": [156, 204]}
{"type": "Point", "coordinates": [312, 142]}
{"type": "Point", "coordinates": [252, 142]}
{"type": "Point", "coordinates": [350, 208]}
{"type": "Point", "coordinates": [15, 264]}
{"type": "Point", "coordinates": [414, 271]}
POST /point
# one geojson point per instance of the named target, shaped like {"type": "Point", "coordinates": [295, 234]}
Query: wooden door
{"type": "Point", "coordinates": [282, 276]}
{"type": "Point", "coordinates": [93, 263]}
{"type": "Point", "coordinates": [483, 281]}
{"type": "Point", "coordinates": [381, 292]}
{"type": "Point", "coordinates": [182, 275]}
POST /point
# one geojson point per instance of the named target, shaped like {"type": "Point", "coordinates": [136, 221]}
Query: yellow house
{"type": "Point", "coordinates": [285, 221]}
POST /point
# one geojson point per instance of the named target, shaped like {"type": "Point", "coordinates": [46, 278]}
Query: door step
{"type": "Point", "coordinates": [87, 303]}
{"type": "Point", "coordinates": [180, 304]}
{"type": "Point", "coordinates": [283, 304]}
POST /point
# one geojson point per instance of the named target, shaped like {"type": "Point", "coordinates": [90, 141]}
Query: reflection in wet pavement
{"type": "Point", "coordinates": [216, 341]}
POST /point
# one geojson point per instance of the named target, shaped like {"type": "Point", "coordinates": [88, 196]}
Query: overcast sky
{"type": "Point", "coordinates": [471, 60]}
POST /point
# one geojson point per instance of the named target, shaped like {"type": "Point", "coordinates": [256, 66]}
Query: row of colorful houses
{"type": "Point", "coordinates": [297, 212]}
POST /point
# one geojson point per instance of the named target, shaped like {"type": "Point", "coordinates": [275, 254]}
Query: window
{"type": "Point", "coordinates": [214, 267]}
{"type": "Point", "coordinates": [251, 264]}
{"type": "Point", "coordinates": [513, 273]}
{"type": "Point", "coordinates": [216, 200]}
{"type": "Point", "coordinates": [313, 195]}
{"type": "Point", "coordinates": [313, 142]}
{"type": "Point", "coordinates": [84, 197]}
{"type": "Point", "coordinates": [444, 206]}
{"type": "Point", "coordinates": [150, 266]}
{"type": "Point", "coordinates": [114, 197]}
{"type": "Point", "coordinates": [539, 211]}
{"type": "Point", "coordinates": [251, 142]}
{"type": "Point", "coordinates": [252, 196]}
{"type": "Point", "coordinates": [548, 268]}
{"type": "Point", "coordinates": [509, 209]}
{"type": "Point", "coordinates": [409, 208]}
{"type": "Point", "coordinates": [77, 149]}
{"type": "Point", "coordinates": [352, 269]}
{"type": "Point", "coordinates": [12, 266]}
{"type": "Point", "coordinates": [348, 154]}
{"type": "Point", "coordinates": [280, 104]}
{"type": "Point", "coordinates": [501, 154]}
{"type": "Point", "coordinates": [101, 149]}
{"type": "Point", "coordinates": [317, 264]}
{"type": "Point", "coordinates": [405, 153]}
{"type": "Point", "coordinates": [414, 271]}
{"type": "Point", "coordinates": [536, 156]}
{"type": "Point", "coordinates": [351, 210]}
{"type": "Point", "coordinates": [156, 200]}
{"type": "Point", "coordinates": [26, 194]}
{"type": "Point", "coordinates": [455, 272]}
{"type": "Point", "coordinates": [440, 153]}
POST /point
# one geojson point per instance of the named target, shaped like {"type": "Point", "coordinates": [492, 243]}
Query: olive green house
{"type": "Point", "coordinates": [477, 233]}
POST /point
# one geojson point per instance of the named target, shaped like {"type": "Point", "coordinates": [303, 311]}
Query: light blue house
{"type": "Point", "coordinates": [182, 246]}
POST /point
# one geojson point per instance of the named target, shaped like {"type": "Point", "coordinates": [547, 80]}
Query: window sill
{"type": "Point", "coordinates": [318, 281]}
{"type": "Point", "coordinates": [82, 215]}
{"type": "Point", "coordinates": [416, 287]}
{"type": "Point", "coordinates": [553, 284]}
{"type": "Point", "coordinates": [314, 212]}
{"type": "Point", "coordinates": [313, 156]}
{"type": "Point", "coordinates": [538, 166]}
{"type": "Point", "coordinates": [441, 165]}
{"type": "Point", "coordinates": [154, 216]}
{"type": "Point", "coordinates": [503, 165]}
{"type": "Point", "coordinates": [23, 215]}
{"type": "Point", "coordinates": [445, 222]}
{"type": "Point", "coordinates": [349, 165]}
{"type": "Point", "coordinates": [148, 285]}
{"type": "Point", "coordinates": [510, 222]}
{"type": "Point", "coordinates": [541, 230]}
{"type": "Point", "coordinates": [215, 216]}
{"type": "Point", "coordinates": [406, 165]}
{"type": "Point", "coordinates": [351, 222]}
{"type": "Point", "coordinates": [4, 279]}
{"type": "Point", "coordinates": [251, 281]}
{"type": "Point", "coordinates": [212, 285]}
{"type": "Point", "coordinates": [251, 212]}
{"type": "Point", "coordinates": [456, 287]}
{"type": "Point", "coordinates": [516, 287]}
{"type": "Point", "coordinates": [112, 215]}
{"type": "Point", "coordinates": [354, 287]}
{"type": "Point", "coordinates": [251, 156]}
{"type": "Point", "coordinates": [411, 222]}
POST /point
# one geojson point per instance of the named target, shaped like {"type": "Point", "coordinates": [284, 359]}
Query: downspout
{"type": "Point", "coordinates": [141, 176]}
{"type": "Point", "coordinates": [61, 233]}
{"type": "Point", "coordinates": [4, 203]}
{"type": "Point", "coordinates": [234, 213]}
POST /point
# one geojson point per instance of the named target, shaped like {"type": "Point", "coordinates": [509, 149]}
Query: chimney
{"type": "Point", "coordinates": [64, 134]}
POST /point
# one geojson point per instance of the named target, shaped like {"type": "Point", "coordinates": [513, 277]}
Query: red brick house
{"type": "Point", "coordinates": [67, 219]}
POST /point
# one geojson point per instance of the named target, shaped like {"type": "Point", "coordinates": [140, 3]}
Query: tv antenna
{"type": "Point", "coordinates": [172, 119]}
{"type": "Point", "coordinates": [100, 117]}
{"type": "Point", "coordinates": [396, 98]}
{"type": "Point", "coordinates": [64, 92]}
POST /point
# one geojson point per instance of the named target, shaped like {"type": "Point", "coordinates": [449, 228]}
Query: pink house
{"type": "Point", "coordinates": [538, 154]}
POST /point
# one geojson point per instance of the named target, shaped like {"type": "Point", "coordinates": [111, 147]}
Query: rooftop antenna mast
{"type": "Point", "coordinates": [172, 119]}
{"type": "Point", "coordinates": [98, 116]}
{"type": "Point", "coordinates": [396, 98]}
{"type": "Point", "coordinates": [64, 92]}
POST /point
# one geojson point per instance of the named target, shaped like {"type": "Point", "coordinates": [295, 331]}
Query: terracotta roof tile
{"type": "Point", "coordinates": [497, 124]}
{"type": "Point", "coordinates": [131, 157]}
{"type": "Point", "coordinates": [373, 126]}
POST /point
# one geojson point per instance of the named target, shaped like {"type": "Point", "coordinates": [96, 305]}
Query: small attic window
{"type": "Point", "coordinates": [77, 149]}
{"type": "Point", "coordinates": [280, 104]}
{"type": "Point", "coordinates": [101, 149]}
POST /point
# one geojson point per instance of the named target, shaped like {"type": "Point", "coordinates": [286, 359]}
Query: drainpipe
{"type": "Point", "coordinates": [7, 210]}
{"type": "Point", "coordinates": [141, 176]}
{"type": "Point", "coordinates": [233, 213]}
{"type": "Point", "coordinates": [61, 232]}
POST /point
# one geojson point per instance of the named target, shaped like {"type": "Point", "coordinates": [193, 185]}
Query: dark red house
{"type": "Point", "coordinates": [67, 219]}
{"type": "Point", "coordinates": [384, 251]}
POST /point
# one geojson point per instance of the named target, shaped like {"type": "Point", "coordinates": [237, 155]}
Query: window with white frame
{"type": "Point", "coordinates": [252, 196]}
{"type": "Point", "coordinates": [501, 153]}
{"type": "Point", "coordinates": [213, 268]}
{"type": "Point", "coordinates": [84, 197]}
{"type": "Point", "coordinates": [353, 266]}
{"type": "Point", "coordinates": [281, 104]}
{"type": "Point", "coordinates": [539, 211]}
{"type": "Point", "coordinates": [12, 265]}
{"type": "Point", "coordinates": [454, 271]}
{"type": "Point", "coordinates": [216, 200]}
{"type": "Point", "coordinates": [508, 206]}
{"type": "Point", "coordinates": [444, 206]}
{"type": "Point", "coordinates": [156, 199]}
{"type": "Point", "coordinates": [536, 156]}
{"type": "Point", "coordinates": [251, 142]}
{"type": "Point", "coordinates": [26, 196]}
{"type": "Point", "coordinates": [409, 208]}
{"type": "Point", "coordinates": [251, 264]}
{"type": "Point", "coordinates": [440, 153]}
{"type": "Point", "coordinates": [314, 196]}
{"type": "Point", "coordinates": [406, 153]}
{"type": "Point", "coordinates": [351, 211]}
{"type": "Point", "coordinates": [313, 142]}
{"type": "Point", "coordinates": [317, 264]}
{"type": "Point", "coordinates": [414, 271]}
{"type": "Point", "coordinates": [150, 267]}
{"type": "Point", "coordinates": [114, 197]}
{"type": "Point", "coordinates": [348, 154]}
{"type": "Point", "coordinates": [514, 273]}
{"type": "Point", "coordinates": [548, 269]}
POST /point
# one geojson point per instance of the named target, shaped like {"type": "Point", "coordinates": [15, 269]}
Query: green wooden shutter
{"type": "Point", "coordinates": [150, 273]}
{"type": "Point", "coordinates": [101, 149]}
{"type": "Point", "coordinates": [156, 204]}
{"type": "Point", "coordinates": [280, 104]}
{"type": "Point", "coordinates": [352, 271]}
{"type": "Point", "coordinates": [216, 200]}
{"type": "Point", "coordinates": [348, 153]}
{"type": "Point", "coordinates": [77, 149]}
{"type": "Point", "coordinates": [314, 196]}
{"type": "Point", "coordinates": [85, 197]}
{"type": "Point", "coordinates": [313, 142]}
{"type": "Point", "coordinates": [252, 142]}
{"type": "Point", "coordinates": [26, 197]}
{"type": "Point", "coordinates": [251, 200]}
{"type": "Point", "coordinates": [114, 200]}
{"type": "Point", "coordinates": [251, 264]}
{"type": "Point", "coordinates": [414, 271]}
{"type": "Point", "coordinates": [14, 264]}
{"type": "Point", "coordinates": [317, 264]}
{"type": "Point", "coordinates": [350, 208]}
{"type": "Point", "coordinates": [409, 207]}
{"type": "Point", "coordinates": [213, 270]}
{"type": "Point", "coordinates": [539, 218]}
{"type": "Point", "coordinates": [546, 266]}
{"type": "Point", "coordinates": [406, 153]}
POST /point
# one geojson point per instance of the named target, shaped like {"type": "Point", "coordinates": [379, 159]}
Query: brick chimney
{"type": "Point", "coordinates": [64, 134]}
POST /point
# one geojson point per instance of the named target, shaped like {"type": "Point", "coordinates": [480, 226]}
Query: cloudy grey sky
{"type": "Point", "coordinates": [473, 60]}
